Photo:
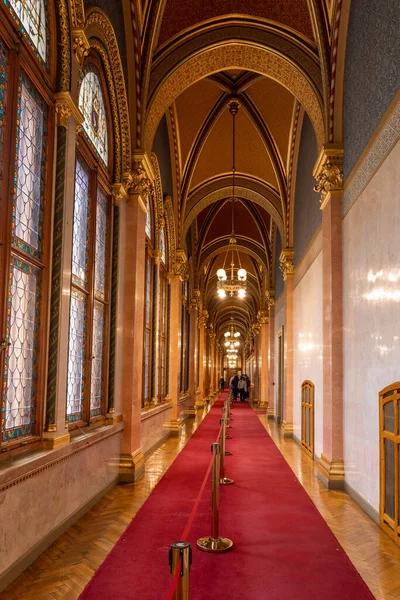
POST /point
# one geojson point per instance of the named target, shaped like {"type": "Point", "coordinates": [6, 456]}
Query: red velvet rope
{"type": "Point", "coordinates": [189, 523]}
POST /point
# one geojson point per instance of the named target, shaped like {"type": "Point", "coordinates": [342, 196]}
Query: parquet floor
{"type": "Point", "coordinates": [63, 570]}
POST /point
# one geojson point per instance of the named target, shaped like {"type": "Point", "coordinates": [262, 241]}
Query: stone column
{"type": "Point", "coordinates": [193, 350]}
{"type": "Point", "coordinates": [329, 175]}
{"type": "Point", "coordinates": [202, 324]}
{"type": "Point", "coordinates": [287, 268]}
{"type": "Point", "coordinates": [264, 340]}
{"type": "Point", "coordinates": [256, 397]}
{"type": "Point", "coordinates": [213, 364]}
{"type": "Point", "coordinates": [156, 327]}
{"type": "Point", "coordinates": [68, 118]}
{"type": "Point", "coordinates": [271, 354]}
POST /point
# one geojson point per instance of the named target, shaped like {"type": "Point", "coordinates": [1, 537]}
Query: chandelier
{"type": "Point", "coordinates": [232, 343]}
{"type": "Point", "coordinates": [225, 286]}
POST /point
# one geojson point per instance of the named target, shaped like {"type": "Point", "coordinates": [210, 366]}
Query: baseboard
{"type": "Point", "coordinates": [157, 444]}
{"type": "Point", "coordinates": [367, 508]}
{"type": "Point", "coordinates": [29, 557]}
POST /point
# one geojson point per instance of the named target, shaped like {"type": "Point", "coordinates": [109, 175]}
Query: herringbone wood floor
{"type": "Point", "coordinates": [64, 569]}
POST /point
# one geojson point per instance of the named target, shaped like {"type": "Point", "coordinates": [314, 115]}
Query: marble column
{"type": "Point", "coordinates": [130, 326]}
{"type": "Point", "coordinates": [68, 117]}
{"type": "Point", "coordinates": [271, 355]}
{"type": "Point", "coordinates": [202, 324]}
{"type": "Point", "coordinates": [155, 393]}
{"type": "Point", "coordinates": [213, 364]}
{"type": "Point", "coordinates": [287, 268]}
{"type": "Point", "coordinates": [264, 340]}
{"type": "Point", "coordinates": [191, 410]}
{"type": "Point", "coordinates": [256, 396]}
{"type": "Point", "coordinates": [329, 175]}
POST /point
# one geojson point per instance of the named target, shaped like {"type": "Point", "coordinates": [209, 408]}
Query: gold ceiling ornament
{"type": "Point", "coordinates": [286, 263]}
{"type": "Point", "coordinates": [66, 108]}
{"type": "Point", "coordinates": [80, 46]}
{"type": "Point", "coordinates": [270, 298]}
{"type": "Point", "coordinates": [328, 171]}
{"type": "Point", "coordinates": [223, 285]}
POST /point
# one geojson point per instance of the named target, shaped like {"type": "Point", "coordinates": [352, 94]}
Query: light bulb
{"type": "Point", "coordinates": [241, 293]}
{"type": "Point", "coordinates": [237, 334]}
{"type": "Point", "coordinates": [221, 274]}
{"type": "Point", "coordinates": [221, 293]}
{"type": "Point", "coordinates": [227, 333]}
{"type": "Point", "coordinates": [237, 343]}
{"type": "Point", "coordinates": [227, 344]}
{"type": "Point", "coordinates": [242, 275]}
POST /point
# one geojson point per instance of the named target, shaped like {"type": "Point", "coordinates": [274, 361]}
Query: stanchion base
{"type": "Point", "coordinates": [227, 453]}
{"type": "Point", "coordinates": [229, 426]}
{"type": "Point", "coordinates": [207, 544]}
{"type": "Point", "coordinates": [226, 481]}
{"type": "Point", "coordinates": [228, 437]}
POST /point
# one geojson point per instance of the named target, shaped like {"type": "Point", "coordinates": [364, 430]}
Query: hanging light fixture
{"type": "Point", "coordinates": [223, 285]}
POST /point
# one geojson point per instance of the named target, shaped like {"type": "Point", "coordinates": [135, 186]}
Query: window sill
{"type": "Point", "coordinates": [17, 466]}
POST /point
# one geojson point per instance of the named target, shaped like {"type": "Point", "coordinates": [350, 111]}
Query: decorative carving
{"type": "Point", "coordinates": [203, 318]}
{"type": "Point", "coordinates": [180, 268]}
{"type": "Point", "coordinates": [171, 232]}
{"type": "Point", "coordinates": [118, 193]}
{"type": "Point", "coordinates": [80, 46]}
{"type": "Point", "coordinates": [64, 56]}
{"type": "Point", "coordinates": [286, 264]}
{"type": "Point", "coordinates": [262, 317]}
{"type": "Point", "coordinates": [65, 108]}
{"type": "Point", "coordinates": [328, 171]}
{"type": "Point", "coordinates": [195, 299]}
{"type": "Point", "coordinates": [137, 181]}
{"type": "Point", "coordinates": [270, 298]}
{"type": "Point", "coordinates": [77, 13]}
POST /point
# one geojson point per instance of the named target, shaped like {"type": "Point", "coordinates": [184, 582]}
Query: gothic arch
{"type": "Point", "coordinates": [239, 55]}
{"type": "Point", "coordinates": [170, 228]}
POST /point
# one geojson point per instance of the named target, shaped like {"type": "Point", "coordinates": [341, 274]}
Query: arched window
{"type": "Point", "coordinates": [25, 188]}
{"type": "Point", "coordinates": [31, 15]}
{"type": "Point", "coordinates": [148, 313]}
{"type": "Point", "coordinates": [163, 249]}
{"type": "Point", "coordinates": [148, 218]}
{"type": "Point", "coordinates": [89, 309]}
{"type": "Point", "coordinates": [91, 103]}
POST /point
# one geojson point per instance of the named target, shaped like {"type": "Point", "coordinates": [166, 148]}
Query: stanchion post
{"type": "Point", "coordinates": [222, 479]}
{"type": "Point", "coordinates": [180, 553]}
{"type": "Point", "coordinates": [225, 416]}
{"type": "Point", "coordinates": [215, 543]}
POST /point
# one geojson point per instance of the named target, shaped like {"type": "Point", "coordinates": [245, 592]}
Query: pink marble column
{"type": "Point", "coordinates": [287, 268]}
{"type": "Point", "coordinates": [271, 360]}
{"type": "Point", "coordinates": [130, 359]}
{"type": "Point", "coordinates": [174, 350]}
{"type": "Point", "coordinates": [329, 175]}
{"type": "Point", "coordinates": [200, 400]}
{"type": "Point", "coordinates": [193, 350]}
{"type": "Point", "coordinates": [256, 395]}
{"type": "Point", "coordinates": [264, 340]}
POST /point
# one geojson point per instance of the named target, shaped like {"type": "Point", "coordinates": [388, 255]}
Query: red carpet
{"type": "Point", "coordinates": [283, 550]}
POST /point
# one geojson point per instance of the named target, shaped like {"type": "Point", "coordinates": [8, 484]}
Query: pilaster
{"type": "Point", "coordinates": [193, 351]}
{"type": "Point", "coordinates": [202, 324]}
{"type": "Point", "coordinates": [174, 349]}
{"type": "Point", "coordinates": [263, 320]}
{"type": "Point", "coordinates": [329, 175]}
{"type": "Point", "coordinates": [270, 301]}
{"type": "Point", "coordinates": [287, 268]}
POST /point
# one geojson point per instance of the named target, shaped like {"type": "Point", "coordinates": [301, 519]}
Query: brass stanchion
{"type": "Point", "coordinates": [215, 543]}
{"type": "Point", "coordinates": [225, 416]}
{"type": "Point", "coordinates": [178, 551]}
{"type": "Point", "coordinates": [222, 479]}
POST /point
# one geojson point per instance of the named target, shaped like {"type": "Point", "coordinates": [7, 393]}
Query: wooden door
{"type": "Point", "coordinates": [307, 417]}
{"type": "Point", "coordinates": [389, 417]}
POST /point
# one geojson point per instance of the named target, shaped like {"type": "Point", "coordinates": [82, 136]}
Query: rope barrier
{"type": "Point", "coordinates": [185, 533]}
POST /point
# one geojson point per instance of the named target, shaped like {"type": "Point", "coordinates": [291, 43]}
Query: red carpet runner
{"type": "Point", "coordinates": [283, 550]}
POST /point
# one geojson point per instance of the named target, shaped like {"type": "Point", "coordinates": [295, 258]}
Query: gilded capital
{"type": "Point", "coordinates": [80, 46]}
{"type": "Point", "coordinates": [203, 317]}
{"type": "Point", "coordinates": [66, 108]}
{"type": "Point", "coordinates": [137, 182]}
{"type": "Point", "coordinates": [118, 192]}
{"type": "Point", "coordinates": [195, 299]}
{"type": "Point", "coordinates": [328, 171]}
{"type": "Point", "coordinates": [286, 263]}
{"type": "Point", "coordinates": [270, 298]}
{"type": "Point", "coordinates": [263, 317]}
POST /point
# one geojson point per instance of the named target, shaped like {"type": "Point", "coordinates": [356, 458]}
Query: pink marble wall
{"type": "Point", "coordinates": [308, 345]}
{"type": "Point", "coordinates": [371, 287]}
{"type": "Point", "coordinates": [152, 431]}
{"type": "Point", "coordinates": [279, 322]}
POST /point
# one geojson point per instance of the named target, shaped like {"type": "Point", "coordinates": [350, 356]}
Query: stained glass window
{"type": "Point", "coordinates": [3, 89]}
{"type": "Point", "coordinates": [147, 332]}
{"type": "Point", "coordinates": [96, 395]}
{"type": "Point", "coordinates": [101, 243]}
{"type": "Point", "coordinates": [32, 17]}
{"type": "Point", "coordinates": [29, 169]}
{"type": "Point", "coordinates": [76, 356]}
{"type": "Point", "coordinates": [162, 246]}
{"type": "Point", "coordinates": [81, 223]}
{"type": "Point", "coordinates": [91, 103]}
{"type": "Point", "coordinates": [148, 218]}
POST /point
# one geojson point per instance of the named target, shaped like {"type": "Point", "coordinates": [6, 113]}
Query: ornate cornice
{"type": "Point", "coordinates": [286, 263]}
{"type": "Point", "coordinates": [328, 171]}
{"type": "Point", "coordinates": [66, 108]}
{"type": "Point", "coordinates": [80, 45]}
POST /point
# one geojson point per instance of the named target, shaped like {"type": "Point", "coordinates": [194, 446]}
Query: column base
{"type": "Point", "coordinates": [190, 412]}
{"type": "Point", "coordinates": [271, 413]}
{"type": "Point", "coordinates": [53, 440]}
{"type": "Point", "coordinates": [173, 426]}
{"type": "Point", "coordinates": [131, 466]}
{"type": "Point", "coordinates": [112, 418]}
{"type": "Point", "coordinates": [263, 405]}
{"type": "Point", "coordinates": [200, 403]}
{"type": "Point", "coordinates": [287, 429]}
{"type": "Point", "coordinates": [331, 473]}
{"type": "Point", "coordinates": [256, 400]}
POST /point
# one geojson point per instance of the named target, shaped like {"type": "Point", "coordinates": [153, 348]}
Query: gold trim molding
{"type": "Point", "coordinates": [80, 45]}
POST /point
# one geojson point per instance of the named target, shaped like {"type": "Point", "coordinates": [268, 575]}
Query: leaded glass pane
{"type": "Point", "coordinates": [32, 16]}
{"type": "Point", "coordinates": [389, 478]}
{"type": "Point", "coordinates": [162, 247]}
{"type": "Point", "coordinates": [29, 168]}
{"type": "Point", "coordinates": [20, 368]}
{"type": "Point", "coordinates": [148, 218]}
{"type": "Point", "coordinates": [146, 364]}
{"type": "Point", "coordinates": [76, 356]}
{"type": "Point", "coordinates": [101, 244]}
{"type": "Point", "coordinates": [147, 311]}
{"type": "Point", "coordinates": [91, 103]}
{"type": "Point", "coordinates": [81, 223]}
{"type": "Point", "coordinates": [388, 413]}
{"type": "Point", "coordinates": [3, 89]}
{"type": "Point", "coordinates": [96, 394]}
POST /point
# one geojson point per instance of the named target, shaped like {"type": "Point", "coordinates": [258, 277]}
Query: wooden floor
{"type": "Point", "coordinates": [64, 569]}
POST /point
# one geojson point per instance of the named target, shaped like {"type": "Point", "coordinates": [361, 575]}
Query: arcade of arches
{"type": "Point", "coordinates": [127, 181]}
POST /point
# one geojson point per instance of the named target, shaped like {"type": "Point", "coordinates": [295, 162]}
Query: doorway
{"type": "Point", "coordinates": [389, 425]}
{"type": "Point", "coordinates": [307, 417]}
{"type": "Point", "coordinates": [279, 412]}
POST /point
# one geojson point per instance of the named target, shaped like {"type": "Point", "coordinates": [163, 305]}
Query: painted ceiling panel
{"type": "Point", "coordinates": [244, 223]}
{"type": "Point", "coordinates": [251, 155]}
{"type": "Point", "coordinates": [181, 14]}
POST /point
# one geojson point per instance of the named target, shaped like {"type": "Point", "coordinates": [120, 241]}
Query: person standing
{"type": "Point", "coordinates": [242, 388]}
{"type": "Point", "coordinates": [234, 387]}
{"type": "Point", "coordinates": [247, 386]}
{"type": "Point", "coordinates": [221, 384]}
